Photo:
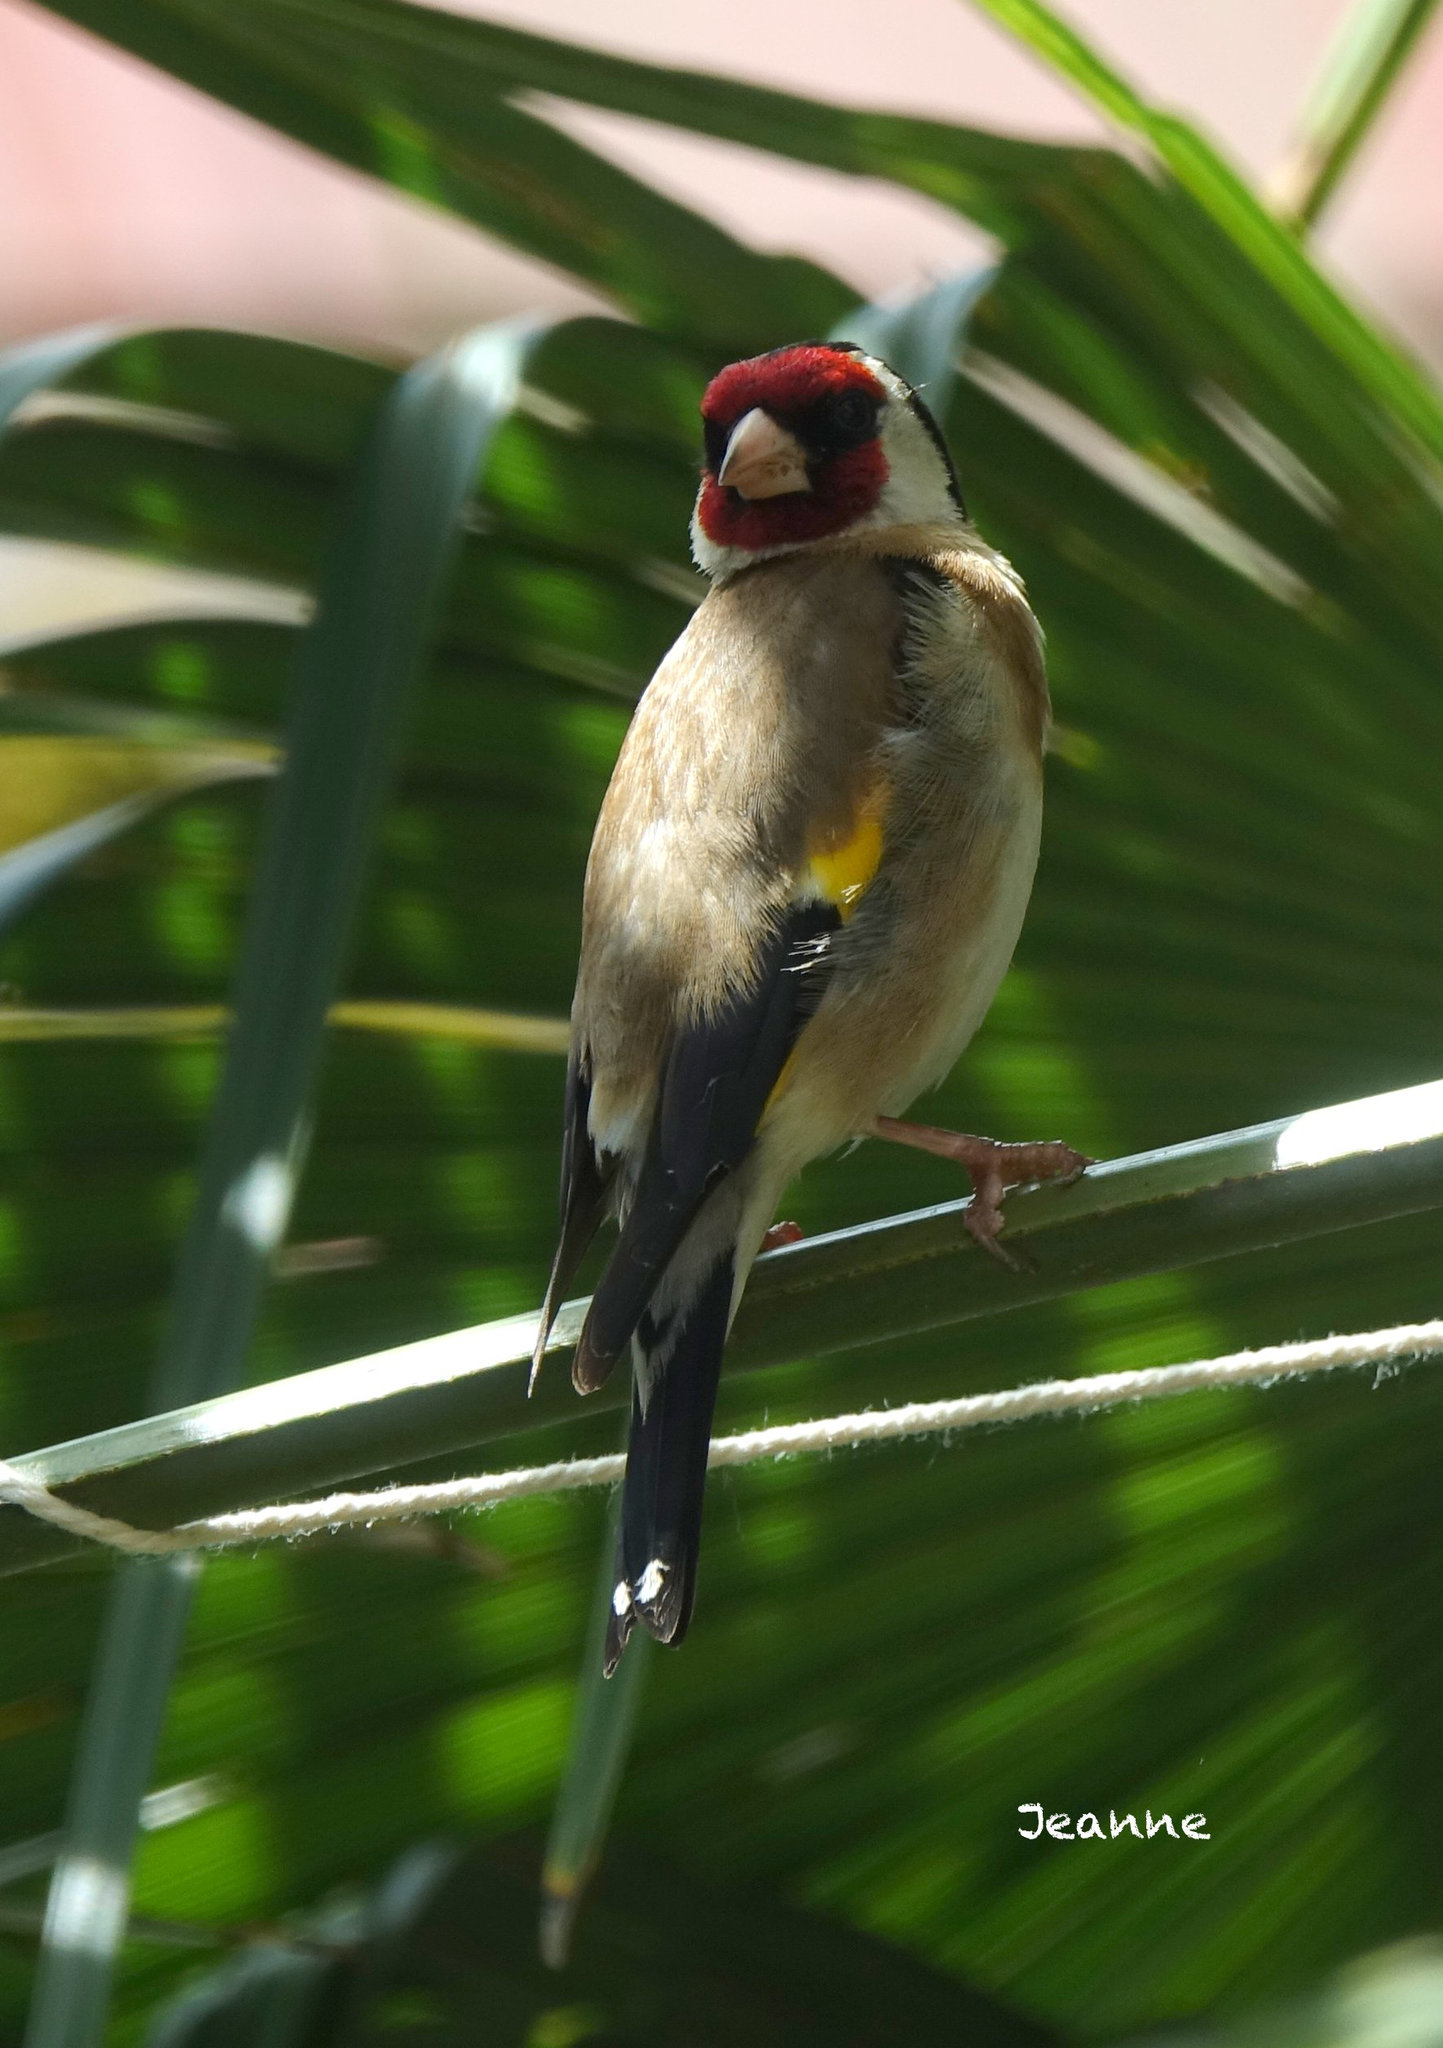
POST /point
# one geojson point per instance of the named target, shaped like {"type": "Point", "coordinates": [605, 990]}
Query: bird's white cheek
{"type": "Point", "coordinates": [915, 492]}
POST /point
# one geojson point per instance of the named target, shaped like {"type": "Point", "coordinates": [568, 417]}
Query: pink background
{"type": "Point", "coordinates": [123, 194]}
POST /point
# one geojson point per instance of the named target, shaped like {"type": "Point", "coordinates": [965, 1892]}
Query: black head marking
{"type": "Point", "coordinates": [924, 413]}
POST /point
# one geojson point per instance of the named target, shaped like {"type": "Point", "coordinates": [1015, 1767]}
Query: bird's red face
{"type": "Point", "coordinates": [793, 448]}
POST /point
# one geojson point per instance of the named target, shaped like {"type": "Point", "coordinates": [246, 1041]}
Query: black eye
{"type": "Point", "coordinates": [851, 417]}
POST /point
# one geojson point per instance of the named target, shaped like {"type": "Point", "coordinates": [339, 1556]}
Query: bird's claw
{"type": "Point", "coordinates": [992, 1168]}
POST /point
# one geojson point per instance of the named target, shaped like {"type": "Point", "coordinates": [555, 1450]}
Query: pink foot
{"type": "Point", "coordinates": [991, 1168]}
{"type": "Point", "coordinates": [782, 1233]}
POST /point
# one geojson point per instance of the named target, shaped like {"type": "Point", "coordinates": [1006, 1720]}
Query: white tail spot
{"type": "Point", "coordinates": [649, 1585]}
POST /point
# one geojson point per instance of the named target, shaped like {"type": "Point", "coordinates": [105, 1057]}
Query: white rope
{"type": "Point", "coordinates": [836, 1432]}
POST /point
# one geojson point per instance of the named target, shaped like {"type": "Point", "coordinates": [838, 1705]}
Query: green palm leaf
{"type": "Point", "coordinates": [1222, 487]}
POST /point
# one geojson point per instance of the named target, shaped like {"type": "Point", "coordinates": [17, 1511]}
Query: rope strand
{"type": "Point", "coordinates": [792, 1439]}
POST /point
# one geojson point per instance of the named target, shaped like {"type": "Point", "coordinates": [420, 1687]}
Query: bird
{"type": "Point", "coordinates": [806, 882]}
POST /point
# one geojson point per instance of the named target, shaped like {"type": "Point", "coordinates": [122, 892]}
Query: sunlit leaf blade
{"type": "Point", "coordinates": [600, 1745]}
{"type": "Point", "coordinates": [273, 1994]}
{"type": "Point", "coordinates": [141, 1634]}
{"type": "Point", "coordinates": [1246, 229]}
{"type": "Point", "coordinates": [380, 587]}
{"type": "Point", "coordinates": [62, 797]}
{"type": "Point", "coordinates": [1363, 63]}
{"type": "Point", "coordinates": [1395, 1992]}
{"type": "Point", "coordinates": [425, 1020]}
{"type": "Point", "coordinates": [37, 364]}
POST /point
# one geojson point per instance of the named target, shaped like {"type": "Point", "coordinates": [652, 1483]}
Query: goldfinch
{"type": "Point", "coordinates": [806, 882]}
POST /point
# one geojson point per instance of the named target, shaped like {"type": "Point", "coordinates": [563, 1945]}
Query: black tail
{"type": "Point", "coordinates": [666, 1470]}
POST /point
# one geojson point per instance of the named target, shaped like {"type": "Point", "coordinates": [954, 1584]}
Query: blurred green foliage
{"type": "Point", "coordinates": [1224, 491]}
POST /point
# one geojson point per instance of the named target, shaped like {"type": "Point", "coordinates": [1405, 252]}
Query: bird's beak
{"type": "Point", "coordinates": [763, 460]}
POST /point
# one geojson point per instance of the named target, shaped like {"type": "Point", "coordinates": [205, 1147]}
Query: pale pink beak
{"type": "Point", "coordinates": [763, 460]}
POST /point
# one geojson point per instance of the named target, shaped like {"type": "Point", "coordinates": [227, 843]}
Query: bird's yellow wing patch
{"type": "Point", "coordinates": [841, 865]}
{"type": "Point", "coordinates": [840, 868]}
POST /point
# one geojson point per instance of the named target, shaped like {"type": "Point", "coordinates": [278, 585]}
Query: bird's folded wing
{"type": "Point", "coordinates": [585, 1188]}
{"type": "Point", "coordinates": [719, 1074]}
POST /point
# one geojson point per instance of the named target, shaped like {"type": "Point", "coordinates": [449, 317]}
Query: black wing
{"type": "Point", "coordinates": [718, 1078]}
{"type": "Point", "coordinates": [585, 1186]}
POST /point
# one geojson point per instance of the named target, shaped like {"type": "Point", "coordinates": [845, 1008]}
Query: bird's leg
{"type": "Point", "coordinates": [991, 1168]}
{"type": "Point", "coordinates": [782, 1233]}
